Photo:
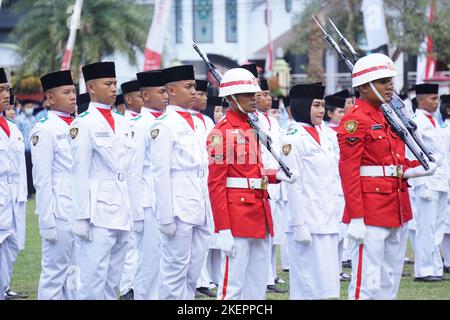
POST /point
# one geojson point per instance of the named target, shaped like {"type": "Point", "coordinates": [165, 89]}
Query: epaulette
{"type": "Point", "coordinates": [137, 118]}
{"type": "Point", "coordinates": [84, 114]}
{"type": "Point", "coordinates": [43, 120]}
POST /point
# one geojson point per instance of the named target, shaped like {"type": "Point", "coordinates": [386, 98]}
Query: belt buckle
{"type": "Point", "coordinates": [399, 171]}
{"type": "Point", "coordinates": [120, 176]}
{"type": "Point", "coordinates": [264, 183]}
{"type": "Point", "coordinates": [9, 179]}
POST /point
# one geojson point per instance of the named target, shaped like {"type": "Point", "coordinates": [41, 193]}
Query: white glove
{"type": "Point", "coordinates": [302, 235]}
{"type": "Point", "coordinates": [168, 229]}
{"type": "Point", "coordinates": [225, 242]}
{"type": "Point", "coordinates": [356, 229]}
{"type": "Point", "coordinates": [420, 171]}
{"type": "Point", "coordinates": [138, 226]}
{"type": "Point", "coordinates": [281, 176]}
{"type": "Point", "coordinates": [82, 229]}
{"type": "Point", "coordinates": [49, 234]}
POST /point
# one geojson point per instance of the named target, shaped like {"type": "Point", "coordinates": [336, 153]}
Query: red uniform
{"type": "Point", "coordinates": [365, 139]}
{"type": "Point", "coordinates": [235, 153]}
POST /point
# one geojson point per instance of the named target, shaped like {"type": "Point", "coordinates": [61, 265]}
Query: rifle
{"type": "Point", "coordinates": [263, 137]}
{"type": "Point", "coordinates": [393, 111]}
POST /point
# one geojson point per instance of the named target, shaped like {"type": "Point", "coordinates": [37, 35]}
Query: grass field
{"type": "Point", "coordinates": [28, 267]}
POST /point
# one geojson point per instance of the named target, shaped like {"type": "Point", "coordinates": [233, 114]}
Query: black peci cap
{"type": "Point", "coordinates": [201, 85]}
{"type": "Point", "coordinates": [3, 78]}
{"type": "Point", "coordinates": [130, 86]}
{"type": "Point", "coordinates": [264, 85]}
{"type": "Point", "coordinates": [99, 70]}
{"type": "Point", "coordinates": [427, 88]}
{"type": "Point", "coordinates": [179, 73]}
{"type": "Point", "coordinates": [214, 101]}
{"type": "Point", "coordinates": [252, 68]}
{"type": "Point", "coordinates": [154, 78]}
{"type": "Point", "coordinates": [56, 79]}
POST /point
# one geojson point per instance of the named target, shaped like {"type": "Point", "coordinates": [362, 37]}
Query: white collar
{"type": "Point", "coordinates": [59, 113]}
{"type": "Point", "coordinates": [178, 108]}
{"type": "Point", "coordinates": [100, 105]}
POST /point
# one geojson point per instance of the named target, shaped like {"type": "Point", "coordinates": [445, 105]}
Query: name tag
{"type": "Point", "coordinates": [62, 136]}
{"type": "Point", "coordinates": [102, 135]}
{"type": "Point", "coordinates": [377, 127]}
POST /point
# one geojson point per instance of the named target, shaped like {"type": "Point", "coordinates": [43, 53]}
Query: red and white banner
{"type": "Point", "coordinates": [426, 63]}
{"type": "Point", "coordinates": [155, 39]}
{"type": "Point", "coordinates": [268, 21]}
{"type": "Point", "coordinates": [74, 25]}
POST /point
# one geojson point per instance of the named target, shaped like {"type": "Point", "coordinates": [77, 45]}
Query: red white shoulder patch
{"type": "Point", "coordinates": [351, 126]}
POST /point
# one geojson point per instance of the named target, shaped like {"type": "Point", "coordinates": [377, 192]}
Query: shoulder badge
{"type": "Point", "coordinates": [287, 149]}
{"type": "Point", "coordinates": [74, 132]}
{"type": "Point", "coordinates": [34, 140]}
{"type": "Point", "coordinates": [154, 134]}
{"type": "Point", "coordinates": [216, 140]}
{"type": "Point", "coordinates": [351, 126]}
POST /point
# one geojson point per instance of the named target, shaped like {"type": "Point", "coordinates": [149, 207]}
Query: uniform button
{"type": "Point", "coordinates": [242, 199]}
{"type": "Point", "coordinates": [377, 189]}
{"type": "Point", "coordinates": [380, 137]}
{"type": "Point", "coordinates": [398, 156]}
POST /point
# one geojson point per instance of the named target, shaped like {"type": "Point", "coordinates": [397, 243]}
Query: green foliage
{"type": "Point", "coordinates": [106, 26]}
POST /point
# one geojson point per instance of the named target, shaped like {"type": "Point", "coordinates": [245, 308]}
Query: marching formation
{"type": "Point", "coordinates": [166, 192]}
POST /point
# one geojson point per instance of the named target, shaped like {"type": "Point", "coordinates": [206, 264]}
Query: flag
{"type": "Point", "coordinates": [155, 39]}
{"type": "Point", "coordinates": [374, 24]}
{"type": "Point", "coordinates": [426, 64]}
{"type": "Point", "coordinates": [74, 25]}
{"type": "Point", "coordinates": [268, 22]}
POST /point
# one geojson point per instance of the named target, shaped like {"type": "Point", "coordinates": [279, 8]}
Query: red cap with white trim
{"type": "Point", "coordinates": [238, 80]}
{"type": "Point", "coordinates": [372, 67]}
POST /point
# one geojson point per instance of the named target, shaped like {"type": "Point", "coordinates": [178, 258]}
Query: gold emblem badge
{"type": "Point", "coordinates": [216, 140]}
{"type": "Point", "coordinates": [74, 132]}
{"type": "Point", "coordinates": [264, 183]}
{"type": "Point", "coordinates": [351, 126]}
{"type": "Point", "coordinates": [286, 149]}
{"type": "Point", "coordinates": [34, 140]}
{"type": "Point", "coordinates": [154, 133]}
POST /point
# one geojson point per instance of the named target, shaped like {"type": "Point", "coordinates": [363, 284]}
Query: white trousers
{"type": "Point", "coordinates": [445, 247]}
{"type": "Point", "coordinates": [272, 265]}
{"type": "Point", "coordinates": [101, 262]}
{"type": "Point", "coordinates": [398, 267]}
{"type": "Point", "coordinates": [56, 258]}
{"type": "Point", "coordinates": [182, 259]}
{"type": "Point", "coordinates": [133, 259]}
{"type": "Point", "coordinates": [374, 264]}
{"type": "Point", "coordinates": [244, 277]}
{"type": "Point", "coordinates": [431, 218]}
{"type": "Point", "coordinates": [146, 286]}
{"type": "Point", "coordinates": [9, 249]}
{"type": "Point", "coordinates": [314, 270]}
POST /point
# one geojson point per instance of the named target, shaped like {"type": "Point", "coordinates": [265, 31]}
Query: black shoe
{"type": "Point", "coordinates": [206, 292]}
{"type": "Point", "coordinates": [428, 279]}
{"type": "Point", "coordinates": [285, 270]}
{"type": "Point", "coordinates": [446, 269]}
{"type": "Point", "coordinates": [128, 296]}
{"type": "Point", "coordinates": [405, 275]}
{"type": "Point", "coordinates": [275, 289]}
{"type": "Point", "coordinates": [10, 295]}
{"type": "Point", "coordinates": [408, 261]}
{"type": "Point", "coordinates": [347, 264]}
{"type": "Point", "coordinates": [344, 277]}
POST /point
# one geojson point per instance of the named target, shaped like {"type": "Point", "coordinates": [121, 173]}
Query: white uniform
{"type": "Point", "coordinates": [52, 164]}
{"type": "Point", "coordinates": [270, 125]}
{"type": "Point", "coordinates": [179, 170]}
{"type": "Point", "coordinates": [133, 257]}
{"type": "Point", "coordinates": [146, 284]}
{"type": "Point", "coordinates": [313, 202]}
{"type": "Point", "coordinates": [210, 272]}
{"type": "Point", "coordinates": [445, 245]}
{"type": "Point", "coordinates": [430, 200]}
{"type": "Point", "coordinates": [13, 196]}
{"type": "Point", "coordinates": [102, 178]}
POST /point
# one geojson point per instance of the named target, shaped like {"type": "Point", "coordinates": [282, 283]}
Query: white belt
{"type": "Point", "coordinates": [7, 179]}
{"type": "Point", "coordinates": [120, 176]}
{"type": "Point", "coordinates": [247, 183]}
{"type": "Point", "coordinates": [381, 171]}
{"type": "Point", "coordinates": [200, 173]}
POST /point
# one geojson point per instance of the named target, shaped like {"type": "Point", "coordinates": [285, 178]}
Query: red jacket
{"type": "Point", "coordinates": [235, 152]}
{"type": "Point", "coordinates": [365, 139]}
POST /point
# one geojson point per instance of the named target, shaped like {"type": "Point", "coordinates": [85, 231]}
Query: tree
{"type": "Point", "coordinates": [106, 26]}
{"type": "Point", "coordinates": [406, 21]}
